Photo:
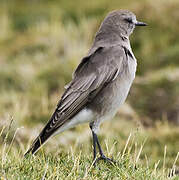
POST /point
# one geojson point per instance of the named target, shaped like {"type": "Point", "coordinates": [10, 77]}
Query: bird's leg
{"type": "Point", "coordinates": [94, 146]}
{"type": "Point", "coordinates": [96, 141]}
{"type": "Point", "coordinates": [102, 156]}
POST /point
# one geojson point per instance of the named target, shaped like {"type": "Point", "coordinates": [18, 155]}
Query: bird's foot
{"type": "Point", "coordinates": [104, 158]}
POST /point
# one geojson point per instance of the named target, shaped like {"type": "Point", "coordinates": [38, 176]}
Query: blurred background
{"type": "Point", "coordinates": [42, 41]}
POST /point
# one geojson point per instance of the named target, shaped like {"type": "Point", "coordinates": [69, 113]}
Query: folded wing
{"type": "Point", "coordinates": [92, 74]}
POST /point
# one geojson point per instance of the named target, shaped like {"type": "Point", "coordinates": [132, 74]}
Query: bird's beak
{"type": "Point", "coordinates": [140, 23]}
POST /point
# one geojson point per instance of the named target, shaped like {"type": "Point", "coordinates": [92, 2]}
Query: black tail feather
{"type": "Point", "coordinates": [38, 142]}
{"type": "Point", "coordinates": [35, 146]}
{"type": "Point", "coordinates": [42, 138]}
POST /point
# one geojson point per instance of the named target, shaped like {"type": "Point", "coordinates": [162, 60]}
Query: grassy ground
{"type": "Point", "coordinates": [139, 154]}
{"type": "Point", "coordinates": [41, 43]}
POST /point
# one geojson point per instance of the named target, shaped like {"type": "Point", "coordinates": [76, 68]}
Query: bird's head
{"type": "Point", "coordinates": [121, 21]}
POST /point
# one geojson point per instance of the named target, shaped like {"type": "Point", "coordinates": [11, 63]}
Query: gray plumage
{"type": "Point", "coordinates": [101, 81]}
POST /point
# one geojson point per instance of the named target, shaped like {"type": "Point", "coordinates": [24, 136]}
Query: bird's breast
{"type": "Point", "coordinates": [108, 101]}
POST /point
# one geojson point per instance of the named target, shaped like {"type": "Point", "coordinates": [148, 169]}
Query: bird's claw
{"type": "Point", "coordinates": [106, 159]}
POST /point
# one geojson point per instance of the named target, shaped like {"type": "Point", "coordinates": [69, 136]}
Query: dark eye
{"type": "Point", "coordinates": [129, 20]}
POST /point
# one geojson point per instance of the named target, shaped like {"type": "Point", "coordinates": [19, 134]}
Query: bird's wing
{"type": "Point", "coordinates": [91, 75]}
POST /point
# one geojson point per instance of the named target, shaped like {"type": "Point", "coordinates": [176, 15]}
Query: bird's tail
{"type": "Point", "coordinates": [38, 142]}
{"type": "Point", "coordinates": [34, 147]}
{"type": "Point", "coordinates": [41, 139]}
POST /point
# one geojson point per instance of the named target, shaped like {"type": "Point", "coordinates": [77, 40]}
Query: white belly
{"type": "Point", "coordinates": [84, 116]}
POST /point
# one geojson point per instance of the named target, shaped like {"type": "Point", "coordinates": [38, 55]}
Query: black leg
{"type": "Point", "coordinates": [97, 141]}
{"type": "Point", "coordinates": [94, 146]}
{"type": "Point", "coordinates": [102, 156]}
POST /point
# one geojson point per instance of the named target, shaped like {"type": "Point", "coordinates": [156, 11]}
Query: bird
{"type": "Point", "coordinates": [100, 83]}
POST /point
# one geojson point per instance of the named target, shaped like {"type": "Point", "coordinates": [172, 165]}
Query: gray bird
{"type": "Point", "coordinates": [100, 83]}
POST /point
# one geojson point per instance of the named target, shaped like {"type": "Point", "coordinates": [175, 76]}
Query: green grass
{"type": "Point", "coordinates": [139, 153]}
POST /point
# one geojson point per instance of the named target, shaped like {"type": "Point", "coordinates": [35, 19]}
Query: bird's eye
{"type": "Point", "coordinates": [129, 20]}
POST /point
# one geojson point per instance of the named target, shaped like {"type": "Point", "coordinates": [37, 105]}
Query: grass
{"type": "Point", "coordinates": [139, 154]}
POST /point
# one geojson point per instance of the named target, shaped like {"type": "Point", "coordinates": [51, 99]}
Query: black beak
{"type": "Point", "coordinates": [140, 23]}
